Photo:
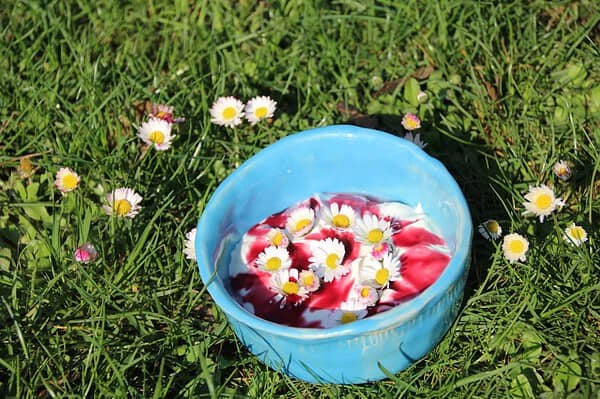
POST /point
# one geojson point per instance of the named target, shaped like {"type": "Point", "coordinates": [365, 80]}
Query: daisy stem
{"type": "Point", "coordinates": [236, 147]}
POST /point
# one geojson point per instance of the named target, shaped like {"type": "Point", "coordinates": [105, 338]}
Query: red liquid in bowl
{"type": "Point", "coordinates": [335, 258]}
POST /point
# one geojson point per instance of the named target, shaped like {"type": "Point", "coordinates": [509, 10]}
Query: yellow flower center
{"type": "Point", "coordinates": [412, 123]}
{"type": "Point", "coordinates": [277, 238]}
{"type": "Point", "coordinates": [308, 279]}
{"type": "Point", "coordinates": [161, 114]}
{"type": "Point", "coordinates": [382, 275]}
{"type": "Point", "coordinates": [364, 292]}
{"type": "Point", "coordinates": [577, 233]}
{"type": "Point", "coordinates": [290, 288]}
{"type": "Point", "coordinates": [347, 317]}
{"type": "Point", "coordinates": [69, 182]}
{"type": "Point", "coordinates": [157, 137]}
{"type": "Point", "coordinates": [229, 113]}
{"type": "Point", "coordinates": [301, 224]}
{"type": "Point", "coordinates": [375, 236]}
{"type": "Point", "coordinates": [332, 261]}
{"type": "Point", "coordinates": [122, 207]}
{"type": "Point", "coordinates": [543, 201]}
{"type": "Point", "coordinates": [272, 264]}
{"type": "Point", "coordinates": [492, 227]}
{"type": "Point", "coordinates": [341, 221]}
{"type": "Point", "coordinates": [516, 246]}
{"type": "Point", "coordinates": [261, 112]}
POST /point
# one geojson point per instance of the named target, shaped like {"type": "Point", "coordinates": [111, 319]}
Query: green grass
{"type": "Point", "coordinates": [512, 89]}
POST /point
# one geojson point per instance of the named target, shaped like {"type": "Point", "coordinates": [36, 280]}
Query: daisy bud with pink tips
{"type": "Point", "coordinates": [85, 253]}
{"type": "Point", "coordinates": [411, 122]}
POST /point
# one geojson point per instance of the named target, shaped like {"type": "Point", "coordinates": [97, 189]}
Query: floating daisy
{"type": "Point", "coordinates": [348, 312]}
{"type": "Point", "coordinates": [66, 180]}
{"type": "Point", "coordinates": [372, 230]}
{"type": "Point", "coordinates": [278, 238]}
{"type": "Point", "coordinates": [411, 121]}
{"type": "Point", "coordinates": [575, 235]}
{"type": "Point", "coordinates": [338, 216]}
{"type": "Point", "coordinates": [380, 273]}
{"type": "Point", "coordinates": [165, 113]}
{"type": "Point", "coordinates": [273, 259]}
{"type": "Point", "coordinates": [541, 201]}
{"type": "Point", "coordinates": [227, 111]}
{"type": "Point", "coordinates": [85, 253]}
{"type": "Point", "coordinates": [562, 170]}
{"type": "Point", "coordinates": [300, 221]}
{"type": "Point", "coordinates": [415, 139]}
{"type": "Point", "coordinates": [123, 202]}
{"type": "Point", "coordinates": [190, 245]}
{"type": "Point", "coordinates": [327, 257]}
{"type": "Point", "coordinates": [157, 133]}
{"type": "Point", "coordinates": [285, 283]}
{"type": "Point", "coordinates": [515, 247]}
{"type": "Point", "coordinates": [309, 280]}
{"type": "Point", "coordinates": [259, 108]}
{"type": "Point", "coordinates": [365, 295]}
{"type": "Point", "coordinates": [490, 229]}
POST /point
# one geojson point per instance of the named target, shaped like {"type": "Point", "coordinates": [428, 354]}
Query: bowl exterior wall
{"type": "Point", "coordinates": [360, 358]}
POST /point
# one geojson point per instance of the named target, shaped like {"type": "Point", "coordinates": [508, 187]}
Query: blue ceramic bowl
{"type": "Point", "coordinates": [338, 159]}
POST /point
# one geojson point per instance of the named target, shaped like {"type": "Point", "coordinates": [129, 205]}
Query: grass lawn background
{"type": "Point", "coordinates": [512, 88]}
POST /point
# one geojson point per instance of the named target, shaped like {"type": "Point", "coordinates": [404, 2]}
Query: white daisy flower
{"type": "Point", "coordinates": [365, 295]}
{"type": "Point", "coordinates": [380, 273]}
{"type": "Point", "coordinates": [327, 257]}
{"type": "Point", "coordinates": [66, 180]}
{"type": "Point", "coordinates": [156, 132]}
{"type": "Point", "coordinates": [575, 235]}
{"type": "Point", "coordinates": [123, 202]}
{"type": "Point", "coordinates": [309, 280]}
{"type": "Point", "coordinates": [190, 240]}
{"type": "Point", "coordinates": [515, 247]}
{"type": "Point", "coordinates": [300, 221]}
{"type": "Point", "coordinates": [541, 201]}
{"type": "Point", "coordinates": [562, 170]}
{"type": "Point", "coordinates": [371, 230]}
{"type": "Point", "coordinates": [490, 229]}
{"type": "Point", "coordinates": [227, 111]}
{"type": "Point", "coordinates": [278, 238]}
{"type": "Point", "coordinates": [348, 312]}
{"type": "Point", "coordinates": [285, 282]}
{"type": "Point", "coordinates": [415, 139]}
{"type": "Point", "coordinates": [273, 259]}
{"type": "Point", "coordinates": [164, 112]}
{"type": "Point", "coordinates": [338, 216]}
{"type": "Point", "coordinates": [259, 108]}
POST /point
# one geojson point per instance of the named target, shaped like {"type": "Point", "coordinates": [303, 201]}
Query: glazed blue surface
{"type": "Point", "coordinates": [350, 159]}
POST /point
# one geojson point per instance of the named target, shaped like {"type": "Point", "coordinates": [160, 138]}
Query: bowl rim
{"type": "Point", "coordinates": [382, 321]}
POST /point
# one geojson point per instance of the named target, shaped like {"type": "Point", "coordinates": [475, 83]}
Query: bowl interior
{"type": "Point", "coordinates": [332, 159]}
